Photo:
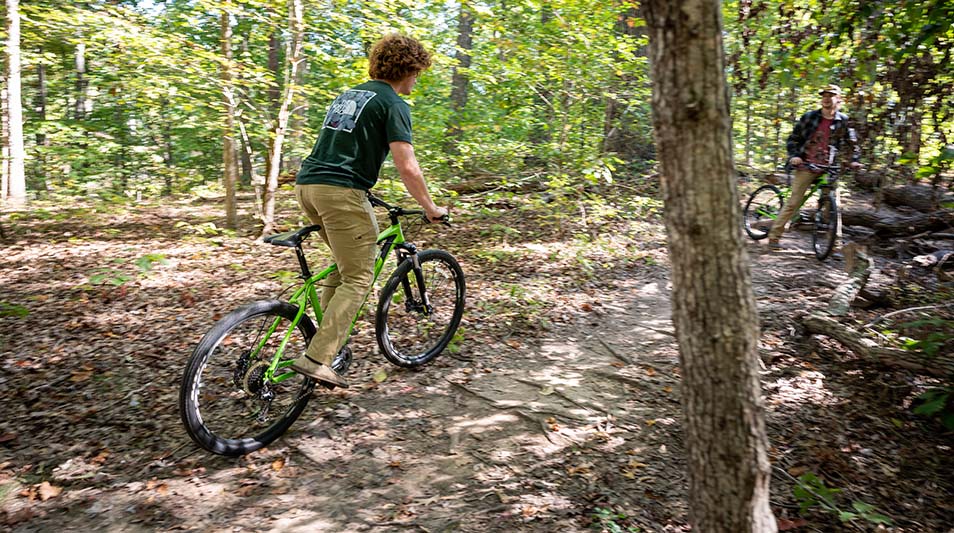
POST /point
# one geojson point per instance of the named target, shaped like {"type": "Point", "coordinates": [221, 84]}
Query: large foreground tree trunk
{"type": "Point", "coordinates": [713, 304]}
{"type": "Point", "coordinates": [16, 176]}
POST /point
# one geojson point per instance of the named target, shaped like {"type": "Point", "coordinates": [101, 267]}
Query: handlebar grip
{"type": "Point", "coordinates": [445, 220]}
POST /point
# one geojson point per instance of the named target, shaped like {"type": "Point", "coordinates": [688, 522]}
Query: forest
{"type": "Point", "coordinates": [149, 145]}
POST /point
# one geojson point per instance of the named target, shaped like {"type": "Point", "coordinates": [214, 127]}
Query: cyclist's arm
{"type": "Point", "coordinates": [413, 178]}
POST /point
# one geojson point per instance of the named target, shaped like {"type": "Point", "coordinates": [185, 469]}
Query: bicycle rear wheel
{"type": "Point", "coordinates": [226, 404]}
{"type": "Point", "coordinates": [761, 210]}
{"type": "Point", "coordinates": [408, 332]}
{"type": "Point", "coordinates": [825, 226]}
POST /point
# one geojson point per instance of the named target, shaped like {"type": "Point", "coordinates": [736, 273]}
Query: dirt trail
{"type": "Point", "coordinates": [575, 428]}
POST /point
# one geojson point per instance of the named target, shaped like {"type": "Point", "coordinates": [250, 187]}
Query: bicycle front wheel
{"type": "Point", "coordinates": [825, 226]}
{"type": "Point", "coordinates": [761, 210]}
{"type": "Point", "coordinates": [226, 404]}
{"type": "Point", "coordinates": [411, 332]}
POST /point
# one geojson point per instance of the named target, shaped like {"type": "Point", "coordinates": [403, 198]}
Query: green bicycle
{"type": "Point", "coordinates": [237, 393]}
{"type": "Point", "coordinates": [765, 204]}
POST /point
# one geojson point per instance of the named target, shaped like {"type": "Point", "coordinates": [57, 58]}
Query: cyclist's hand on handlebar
{"type": "Point", "coordinates": [439, 214]}
{"type": "Point", "coordinates": [796, 161]}
{"type": "Point", "coordinates": [855, 165]}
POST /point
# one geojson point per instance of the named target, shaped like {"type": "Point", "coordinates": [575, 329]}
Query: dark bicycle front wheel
{"type": "Point", "coordinates": [409, 331]}
{"type": "Point", "coordinates": [761, 210]}
{"type": "Point", "coordinates": [225, 402]}
{"type": "Point", "coordinates": [825, 226]}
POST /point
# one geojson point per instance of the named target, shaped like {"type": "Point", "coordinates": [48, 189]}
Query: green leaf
{"type": "Point", "coordinates": [13, 310]}
{"type": "Point", "coordinates": [934, 402]}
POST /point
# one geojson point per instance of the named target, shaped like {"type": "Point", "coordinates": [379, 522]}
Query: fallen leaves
{"type": "Point", "coordinates": [44, 491]}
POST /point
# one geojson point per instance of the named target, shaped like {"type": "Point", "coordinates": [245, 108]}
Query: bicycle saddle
{"type": "Point", "coordinates": [291, 239]}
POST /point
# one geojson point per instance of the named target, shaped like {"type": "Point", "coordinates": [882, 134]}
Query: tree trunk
{"type": "Point", "coordinates": [39, 168]}
{"type": "Point", "coordinates": [16, 177]}
{"type": "Point", "coordinates": [167, 157]}
{"type": "Point", "coordinates": [82, 84]}
{"type": "Point", "coordinates": [620, 126]}
{"type": "Point", "coordinates": [230, 169]}
{"type": "Point", "coordinates": [460, 78]}
{"type": "Point", "coordinates": [293, 54]}
{"type": "Point", "coordinates": [713, 304]}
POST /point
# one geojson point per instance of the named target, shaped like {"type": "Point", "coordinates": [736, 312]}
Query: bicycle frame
{"type": "Point", "coordinates": [391, 239]}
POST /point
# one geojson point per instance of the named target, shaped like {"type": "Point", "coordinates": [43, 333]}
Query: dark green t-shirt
{"type": "Point", "coordinates": [354, 138]}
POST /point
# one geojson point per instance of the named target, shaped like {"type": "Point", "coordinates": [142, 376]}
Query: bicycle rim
{"type": "Point", "coordinates": [407, 333]}
{"type": "Point", "coordinates": [225, 402]}
{"type": "Point", "coordinates": [761, 210]}
{"type": "Point", "coordinates": [825, 227]}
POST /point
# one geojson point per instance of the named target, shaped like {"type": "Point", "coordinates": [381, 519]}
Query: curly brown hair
{"type": "Point", "coordinates": [396, 57]}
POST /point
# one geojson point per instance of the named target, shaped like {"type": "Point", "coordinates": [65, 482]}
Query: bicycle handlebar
{"type": "Point", "coordinates": [395, 211]}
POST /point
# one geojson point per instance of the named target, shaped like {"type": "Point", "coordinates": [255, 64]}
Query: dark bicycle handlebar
{"type": "Point", "coordinates": [394, 211]}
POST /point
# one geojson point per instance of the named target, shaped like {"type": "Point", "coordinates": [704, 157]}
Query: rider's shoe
{"type": "Point", "coordinates": [774, 245]}
{"type": "Point", "coordinates": [319, 372]}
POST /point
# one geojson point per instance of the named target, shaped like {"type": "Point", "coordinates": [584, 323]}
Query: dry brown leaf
{"type": "Point", "coordinates": [8, 437]}
{"type": "Point", "coordinates": [618, 364]}
{"type": "Point", "coordinates": [586, 307]}
{"type": "Point", "coordinates": [48, 491]}
{"type": "Point", "coordinates": [81, 376]}
{"type": "Point", "coordinates": [650, 372]}
{"type": "Point", "coordinates": [162, 489]}
{"type": "Point", "coordinates": [797, 470]}
{"type": "Point", "coordinates": [101, 458]}
{"type": "Point", "coordinates": [278, 464]}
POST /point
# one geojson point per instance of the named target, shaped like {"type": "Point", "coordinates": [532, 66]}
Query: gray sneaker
{"type": "Point", "coordinates": [319, 372]}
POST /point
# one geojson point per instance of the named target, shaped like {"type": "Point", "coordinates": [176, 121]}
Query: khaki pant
{"type": "Point", "coordinates": [349, 228]}
{"type": "Point", "coordinates": [801, 182]}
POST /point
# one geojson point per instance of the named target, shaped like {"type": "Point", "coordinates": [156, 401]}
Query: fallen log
{"type": "Point", "coordinates": [886, 225]}
{"type": "Point", "coordinates": [857, 342]}
{"type": "Point", "coordinates": [924, 198]}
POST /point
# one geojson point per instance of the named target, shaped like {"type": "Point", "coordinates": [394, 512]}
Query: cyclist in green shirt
{"type": "Point", "coordinates": [361, 127]}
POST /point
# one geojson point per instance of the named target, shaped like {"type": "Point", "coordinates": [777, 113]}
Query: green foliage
{"type": "Point", "coordinates": [117, 275]}
{"type": "Point", "coordinates": [810, 491]}
{"type": "Point", "coordinates": [935, 333]}
{"type": "Point", "coordinates": [937, 402]}
{"type": "Point", "coordinates": [609, 521]}
{"type": "Point", "coordinates": [8, 309]}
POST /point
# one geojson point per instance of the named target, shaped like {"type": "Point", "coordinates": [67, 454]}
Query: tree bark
{"type": "Point", "coordinates": [82, 84]}
{"type": "Point", "coordinates": [941, 366]}
{"type": "Point", "coordinates": [230, 168]}
{"type": "Point", "coordinates": [16, 177]}
{"type": "Point", "coordinates": [924, 198]}
{"type": "Point", "coordinates": [40, 109]}
{"type": "Point", "coordinates": [892, 226]}
{"type": "Point", "coordinates": [293, 54]}
{"type": "Point", "coordinates": [460, 80]}
{"type": "Point", "coordinates": [713, 304]}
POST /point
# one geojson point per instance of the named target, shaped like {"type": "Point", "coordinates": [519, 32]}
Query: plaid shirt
{"type": "Point", "coordinates": [841, 132]}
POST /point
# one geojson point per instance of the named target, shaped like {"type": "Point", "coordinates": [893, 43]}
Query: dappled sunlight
{"type": "Point", "coordinates": [807, 387]}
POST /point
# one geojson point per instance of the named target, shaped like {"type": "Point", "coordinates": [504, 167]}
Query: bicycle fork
{"type": "Point", "coordinates": [412, 304]}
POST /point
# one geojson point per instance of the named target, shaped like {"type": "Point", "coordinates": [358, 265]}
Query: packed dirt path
{"type": "Point", "coordinates": [574, 426]}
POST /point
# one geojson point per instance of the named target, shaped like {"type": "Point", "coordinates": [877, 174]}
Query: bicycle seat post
{"type": "Point", "coordinates": [305, 273]}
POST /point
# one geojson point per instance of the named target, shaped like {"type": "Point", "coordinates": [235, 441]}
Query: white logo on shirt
{"type": "Point", "coordinates": [344, 111]}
